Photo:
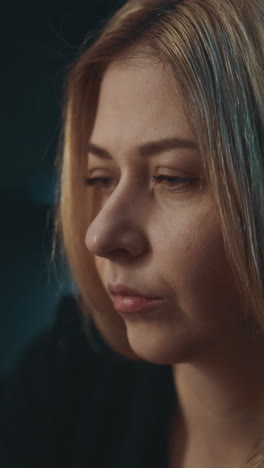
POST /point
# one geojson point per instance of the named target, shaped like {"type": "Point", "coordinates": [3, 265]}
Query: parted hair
{"type": "Point", "coordinates": [215, 50]}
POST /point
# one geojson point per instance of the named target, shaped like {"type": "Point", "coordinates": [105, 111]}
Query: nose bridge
{"type": "Point", "coordinates": [123, 203]}
{"type": "Point", "coordinates": [118, 225]}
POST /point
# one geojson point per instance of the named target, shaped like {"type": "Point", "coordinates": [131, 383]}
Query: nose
{"type": "Point", "coordinates": [118, 229]}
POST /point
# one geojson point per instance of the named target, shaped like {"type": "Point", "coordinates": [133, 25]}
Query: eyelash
{"type": "Point", "coordinates": [159, 179]}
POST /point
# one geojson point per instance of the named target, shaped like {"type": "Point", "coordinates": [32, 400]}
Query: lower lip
{"type": "Point", "coordinates": [132, 304]}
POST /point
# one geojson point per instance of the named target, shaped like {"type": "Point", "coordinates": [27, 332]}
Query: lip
{"type": "Point", "coordinates": [128, 301]}
{"type": "Point", "coordinates": [122, 290]}
{"type": "Point", "coordinates": [134, 304]}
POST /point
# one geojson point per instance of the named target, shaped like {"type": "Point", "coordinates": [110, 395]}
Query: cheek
{"type": "Point", "coordinates": [196, 267]}
{"type": "Point", "coordinates": [101, 265]}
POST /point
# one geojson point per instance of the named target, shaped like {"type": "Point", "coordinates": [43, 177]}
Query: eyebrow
{"type": "Point", "coordinates": [151, 148]}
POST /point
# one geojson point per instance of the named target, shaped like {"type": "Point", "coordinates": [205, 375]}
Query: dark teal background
{"type": "Point", "coordinates": [35, 53]}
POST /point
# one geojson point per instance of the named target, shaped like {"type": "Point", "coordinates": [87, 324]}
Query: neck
{"type": "Point", "coordinates": [221, 400]}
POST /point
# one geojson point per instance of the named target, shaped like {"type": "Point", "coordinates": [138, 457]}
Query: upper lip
{"type": "Point", "coordinates": [122, 290]}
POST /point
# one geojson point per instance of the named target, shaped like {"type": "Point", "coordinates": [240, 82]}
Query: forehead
{"type": "Point", "coordinates": [138, 101]}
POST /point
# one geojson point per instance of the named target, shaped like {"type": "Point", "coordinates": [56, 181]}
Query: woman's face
{"type": "Point", "coordinates": [161, 236]}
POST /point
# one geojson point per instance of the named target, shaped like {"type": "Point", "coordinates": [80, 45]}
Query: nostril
{"type": "Point", "coordinates": [98, 244]}
{"type": "Point", "coordinates": [119, 253]}
{"type": "Point", "coordinates": [115, 238]}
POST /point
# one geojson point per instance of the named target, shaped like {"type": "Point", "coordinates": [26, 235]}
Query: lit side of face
{"type": "Point", "coordinates": [157, 230]}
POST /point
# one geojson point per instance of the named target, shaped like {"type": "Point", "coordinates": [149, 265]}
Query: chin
{"type": "Point", "coordinates": [165, 348]}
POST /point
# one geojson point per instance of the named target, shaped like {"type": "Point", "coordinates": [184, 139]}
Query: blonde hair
{"type": "Point", "coordinates": [215, 49]}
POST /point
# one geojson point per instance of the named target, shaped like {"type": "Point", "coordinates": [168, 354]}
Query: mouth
{"type": "Point", "coordinates": [127, 300]}
{"type": "Point", "coordinates": [131, 304]}
{"type": "Point", "coordinates": [122, 290]}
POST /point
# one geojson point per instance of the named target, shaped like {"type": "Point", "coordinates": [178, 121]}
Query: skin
{"type": "Point", "coordinates": [166, 241]}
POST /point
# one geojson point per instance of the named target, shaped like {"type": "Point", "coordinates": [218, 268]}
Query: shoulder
{"type": "Point", "coordinates": [53, 354]}
{"type": "Point", "coordinates": [70, 383]}
{"type": "Point", "coordinates": [44, 382]}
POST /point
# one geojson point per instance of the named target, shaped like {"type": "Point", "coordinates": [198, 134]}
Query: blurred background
{"type": "Point", "coordinates": [36, 52]}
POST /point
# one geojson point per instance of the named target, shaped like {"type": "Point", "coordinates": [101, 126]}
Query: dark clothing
{"type": "Point", "coordinates": [73, 402]}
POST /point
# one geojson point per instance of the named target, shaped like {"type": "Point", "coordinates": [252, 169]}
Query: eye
{"type": "Point", "coordinates": [168, 183]}
{"type": "Point", "coordinates": [172, 183]}
{"type": "Point", "coordinates": [103, 182]}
